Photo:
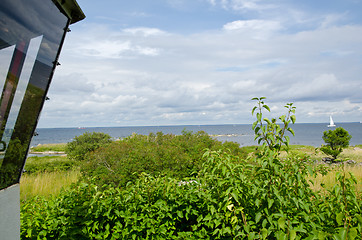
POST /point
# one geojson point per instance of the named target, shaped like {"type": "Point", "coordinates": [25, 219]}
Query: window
{"type": "Point", "coordinates": [31, 35]}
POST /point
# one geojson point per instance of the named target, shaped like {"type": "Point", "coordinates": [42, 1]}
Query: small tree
{"type": "Point", "coordinates": [268, 132]}
{"type": "Point", "coordinates": [88, 142]}
{"type": "Point", "coordinates": [336, 140]}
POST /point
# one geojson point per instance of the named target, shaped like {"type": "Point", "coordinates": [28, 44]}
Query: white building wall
{"type": "Point", "coordinates": [10, 213]}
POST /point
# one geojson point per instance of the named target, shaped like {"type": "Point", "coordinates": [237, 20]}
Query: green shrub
{"type": "Point", "coordinates": [262, 197]}
{"type": "Point", "coordinates": [228, 199]}
{"type": "Point", "coordinates": [86, 143]}
{"type": "Point", "coordinates": [170, 155]}
{"type": "Point", "coordinates": [336, 140]}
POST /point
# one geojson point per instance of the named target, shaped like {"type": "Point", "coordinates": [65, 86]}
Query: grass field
{"type": "Point", "coordinates": [56, 147]}
{"type": "Point", "coordinates": [329, 180]}
{"type": "Point", "coordinates": [46, 183]}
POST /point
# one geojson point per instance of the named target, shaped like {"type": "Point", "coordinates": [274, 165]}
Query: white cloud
{"type": "Point", "coordinates": [143, 31]}
{"type": "Point", "coordinates": [243, 5]}
{"type": "Point", "coordinates": [259, 25]}
{"type": "Point", "coordinates": [331, 20]}
{"type": "Point", "coordinates": [257, 29]}
{"type": "Point", "coordinates": [151, 77]}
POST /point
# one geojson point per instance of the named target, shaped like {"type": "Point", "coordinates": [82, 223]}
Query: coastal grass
{"type": "Point", "coordinates": [353, 153]}
{"type": "Point", "coordinates": [350, 153]}
{"type": "Point", "coordinates": [46, 183]}
{"type": "Point", "coordinates": [52, 163]}
{"type": "Point", "coordinates": [329, 180]}
{"type": "Point", "coordinates": [53, 147]}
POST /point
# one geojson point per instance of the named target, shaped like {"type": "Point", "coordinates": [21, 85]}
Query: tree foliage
{"type": "Point", "coordinates": [336, 140]}
{"type": "Point", "coordinates": [169, 155]}
{"type": "Point", "coordinates": [86, 143]}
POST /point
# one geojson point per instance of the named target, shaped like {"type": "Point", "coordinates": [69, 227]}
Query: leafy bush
{"type": "Point", "coordinates": [228, 199]}
{"type": "Point", "coordinates": [86, 143]}
{"type": "Point", "coordinates": [336, 140]}
{"type": "Point", "coordinates": [262, 197]}
{"type": "Point", "coordinates": [158, 154]}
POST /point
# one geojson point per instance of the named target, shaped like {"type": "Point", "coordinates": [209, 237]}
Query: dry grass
{"type": "Point", "coordinates": [353, 153]}
{"type": "Point", "coordinates": [54, 147]}
{"type": "Point", "coordinates": [329, 180]}
{"type": "Point", "coordinates": [46, 183]}
{"type": "Point", "coordinates": [350, 153]}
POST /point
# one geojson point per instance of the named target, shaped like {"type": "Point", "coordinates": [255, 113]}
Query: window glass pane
{"type": "Point", "coordinates": [31, 33]}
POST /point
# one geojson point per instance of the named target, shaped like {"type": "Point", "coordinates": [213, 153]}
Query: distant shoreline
{"type": "Point", "coordinates": [305, 134]}
{"type": "Point", "coordinates": [187, 125]}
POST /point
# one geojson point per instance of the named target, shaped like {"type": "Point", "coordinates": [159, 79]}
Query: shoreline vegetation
{"type": "Point", "coordinates": [50, 180]}
{"type": "Point", "coordinates": [53, 182]}
{"type": "Point", "coordinates": [192, 186]}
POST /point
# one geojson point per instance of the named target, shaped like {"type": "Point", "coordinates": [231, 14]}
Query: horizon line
{"type": "Point", "coordinates": [180, 125]}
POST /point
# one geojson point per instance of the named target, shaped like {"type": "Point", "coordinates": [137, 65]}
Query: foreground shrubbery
{"type": "Point", "coordinates": [263, 198]}
{"type": "Point", "coordinates": [169, 155]}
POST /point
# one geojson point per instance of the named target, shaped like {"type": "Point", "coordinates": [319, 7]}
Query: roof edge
{"type": "Point", "coordinates": [71, 9]}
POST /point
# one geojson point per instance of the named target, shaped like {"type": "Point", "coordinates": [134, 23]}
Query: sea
{"type": "Point", "coordinates": [305, 133]}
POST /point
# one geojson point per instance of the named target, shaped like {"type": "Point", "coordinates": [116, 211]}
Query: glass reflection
{"type": "Point", "coordinates": [31, 33]}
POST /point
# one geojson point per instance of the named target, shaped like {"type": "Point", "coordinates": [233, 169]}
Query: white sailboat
{"type": "Point", "coordinates": [331, 123]}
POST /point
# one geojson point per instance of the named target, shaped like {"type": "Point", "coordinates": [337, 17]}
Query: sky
{"type": "Point", "coordinates": [200, 62]}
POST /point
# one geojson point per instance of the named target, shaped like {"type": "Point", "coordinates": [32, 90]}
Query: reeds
{"type": "Point", "coordinates": [329, 180]}
{"type": "Point", "coordinates": [46, 183]}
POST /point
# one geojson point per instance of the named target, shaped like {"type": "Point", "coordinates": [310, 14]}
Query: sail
{"type": "Point", "coordinates": [331, 123]}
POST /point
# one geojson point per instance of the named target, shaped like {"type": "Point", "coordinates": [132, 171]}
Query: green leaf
{"type": "Point", "coordinates": [359, 218]}
{"type": "Point", "coordinates": [287, 140]}
{"type": "Point", "coordinates": [235, 197]}
{"type": "Point", "coordinates": [322, 235]}
{"type": "Point", "coordinates": [266, 107]}
{"type": "Point", "coordinates": [292, 234]}
{"type": "Point", "coordinates": [293, 118]}
{"type": "Point", "coordinates": [264, 233]}
{"type": "Point", "coordinates": [270, 202]}
{"type": "Point", "coordinates": [180, 214]}
{"type": "Point", "coordinates": [251, 236]}
{"type": "Point", "coordinates": [252, 112]}
{"type": "Point", "coordinates": [352, 234]}
{"type": "Point", "coordinates": [257, 130]}
{"type": "Point", "coordinates": [257, 217]}
{"type": "Point", "coordinates": [339, 218]}
{"type": "Point", "coordinates": [207, 218]}
{"type": "Point", "coordinates": [341, 235]}
{"type": "Point", "coordinates": [234, 220]}
{"type": "Point", "coordinates": [267, 120]}
{"type": "Point", "coordinates": [258, 117]}
{"type": "Point", "coordinates": [291, 131]}
{"type": "Point", "coordinates": [281, 223]}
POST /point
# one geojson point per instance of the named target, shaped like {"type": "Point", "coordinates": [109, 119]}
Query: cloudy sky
{"type": "Point", "coordinates": [178, 62]}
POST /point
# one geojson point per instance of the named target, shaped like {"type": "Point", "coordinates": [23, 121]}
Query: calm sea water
{"type": "Point", "coordinates": [305, 134]}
